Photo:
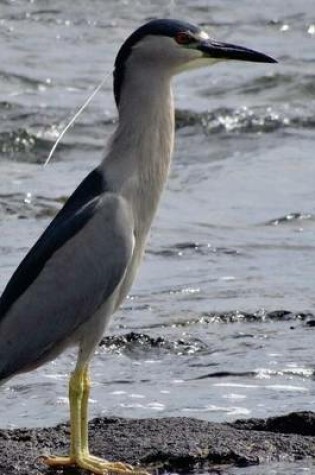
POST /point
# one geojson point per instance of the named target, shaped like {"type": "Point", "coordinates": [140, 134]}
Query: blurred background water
{"type": "Point", "coordinates": [235, 230]}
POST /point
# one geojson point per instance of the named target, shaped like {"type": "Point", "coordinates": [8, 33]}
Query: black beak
{"type": "Point", "coordinates": [215, 49]}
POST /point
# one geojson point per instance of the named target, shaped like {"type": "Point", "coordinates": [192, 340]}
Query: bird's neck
{"type": "Point", "coordinates": [140, 151]}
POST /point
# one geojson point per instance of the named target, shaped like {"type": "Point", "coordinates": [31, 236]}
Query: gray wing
{"type": "Point", "coordinates": [76, 212]}
{"type": "Point", "coordinates": [77, 278]}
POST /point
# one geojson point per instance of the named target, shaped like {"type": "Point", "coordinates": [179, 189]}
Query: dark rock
{"type": "Point", "coordinates": [302, 423]}
{"type": "Point", "coordinates": [133, 343]}
{"type": "Point", "coordinates": [173, 444]}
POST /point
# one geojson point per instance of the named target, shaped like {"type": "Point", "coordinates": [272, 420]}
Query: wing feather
{"type": "Point", "coordinates": [76, 212]}
{"type": "Point", "coordinates": [80, 275]}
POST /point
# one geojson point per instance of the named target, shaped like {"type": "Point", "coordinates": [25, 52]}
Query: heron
{"type": "Point", "coordinates": [81, 269]}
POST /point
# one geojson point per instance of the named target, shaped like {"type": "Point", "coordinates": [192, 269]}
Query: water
{"type": "Point", "coordinates": [235, 230]}
{"type": "Point", "coordinates": [296, 468]}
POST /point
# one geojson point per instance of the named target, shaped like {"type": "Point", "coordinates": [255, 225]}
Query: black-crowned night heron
{"type": "Point", "coordinates": [82, 267]}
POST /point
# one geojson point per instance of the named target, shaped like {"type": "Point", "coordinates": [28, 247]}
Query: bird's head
{"type": "Point", "coordinates": [172, 46]}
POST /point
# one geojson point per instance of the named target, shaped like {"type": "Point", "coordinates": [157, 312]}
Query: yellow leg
{"type": "Point", "coordinates": [76, 390]}
{"type": "Point", "coordinates": [85, 411]}
{"type": "Point", "coordinates": [79, 388]}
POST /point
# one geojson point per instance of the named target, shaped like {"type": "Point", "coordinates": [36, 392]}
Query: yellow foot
{"type": "Point", "coordinates": [93, 464]}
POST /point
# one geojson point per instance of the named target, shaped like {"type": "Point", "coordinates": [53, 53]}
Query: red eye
{"type": "Point", "coordinates": [183, 38]}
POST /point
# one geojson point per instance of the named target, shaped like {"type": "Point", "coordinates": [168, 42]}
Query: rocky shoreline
{"type": "Point", "coordinates": [172, 444]}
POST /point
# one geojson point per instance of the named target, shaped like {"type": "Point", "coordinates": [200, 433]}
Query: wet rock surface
{"type": "Point", "coordinates": [172, 444]}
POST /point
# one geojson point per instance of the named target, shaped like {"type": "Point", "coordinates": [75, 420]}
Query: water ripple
{"type": "Point", "coordinates": [247, 120]}
{"type": "Point", "coordinates": [191, 247]}
{"type": "Point", "coordinates": [23, 206]}
{"type": "Point", "coordinates": [289, 218]}
{"type": "Point", "coordinates": [260, 316]}
{"type": "Point", "coordinates": [23, 145]}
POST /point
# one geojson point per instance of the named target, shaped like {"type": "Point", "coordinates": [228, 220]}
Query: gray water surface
{"type": "Point", "coordinates": [236, 226]}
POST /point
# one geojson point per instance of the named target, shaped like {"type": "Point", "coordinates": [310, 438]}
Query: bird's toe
{"type": "Point", "coordinates": [95, 465]}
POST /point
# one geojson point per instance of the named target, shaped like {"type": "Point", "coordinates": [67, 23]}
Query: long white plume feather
{"type": "Point", "coordinates": [74, 118]}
